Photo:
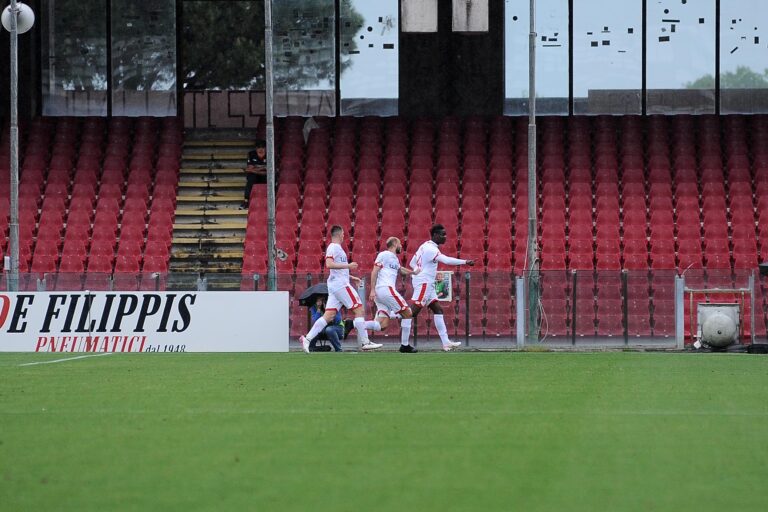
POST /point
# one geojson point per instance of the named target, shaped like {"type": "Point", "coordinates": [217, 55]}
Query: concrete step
{"type": "Point", "coordinates": [225, 254]}
{"type": "Point", "coordinates": [218, 155]}
{"type": "Point", "coordinates": [228, 175]}
{"type": "Point", "coordinates": [233, 213]}
{"type": "Point", "coordinates": [217, 184]}
{"type": "Point", "coordinates": [204, 171]}
{"type": "Point", "coordinates": [209, 226]}
{"type": "Point", "coordinates": [215, 164]}
{"type": "Point", "coordinates": [208, 240]}
{"type": "Point", "coordinates": [232, 143]}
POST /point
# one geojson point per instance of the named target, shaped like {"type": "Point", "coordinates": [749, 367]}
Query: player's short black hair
{"type": "Point", "coordinates": [435, 228]}
{"type": "Point", "coordinates": [260, 143]}
{"type": "Point", "coordinates": [336, 229]}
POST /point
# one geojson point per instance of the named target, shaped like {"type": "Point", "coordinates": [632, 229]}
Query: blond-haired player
{"type": "Point", "coordinates": [388, 301]}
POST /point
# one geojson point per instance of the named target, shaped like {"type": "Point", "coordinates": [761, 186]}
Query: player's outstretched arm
{"type": "Point", "coordinates": [447, 260]}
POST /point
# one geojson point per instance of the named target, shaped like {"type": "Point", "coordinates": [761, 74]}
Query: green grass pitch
{"type": "Point", "coordinates": [364, 432]}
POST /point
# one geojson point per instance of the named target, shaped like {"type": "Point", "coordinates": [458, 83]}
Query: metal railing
{"type": "Point", "coordinates": [577, 308]}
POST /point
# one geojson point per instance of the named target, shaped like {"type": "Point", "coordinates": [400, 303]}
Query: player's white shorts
{"type": "Point", "coordinates": [389, 301]}
{"type": "Point", "coordinates": [424, 294]}
{"type": "Point", "coordinates": [346, 296]}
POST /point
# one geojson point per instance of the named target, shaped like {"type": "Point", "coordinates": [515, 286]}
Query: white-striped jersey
{"type": "Point", "coordinates": [337, 278]}
{"type": "Point", "coordinates": [389, 268]}
{"type": "Point", "coordinates": [425, 260]}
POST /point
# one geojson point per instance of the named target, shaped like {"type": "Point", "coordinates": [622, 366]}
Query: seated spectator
{"type": "Point", "coordinates": [334, 332]}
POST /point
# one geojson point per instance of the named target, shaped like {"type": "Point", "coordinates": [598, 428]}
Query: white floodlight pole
{"type": "Point", "coordinates": [533, 250]}
{"type": "Point", "coordinates": [269, 93]}
{"type": "Point", "coordinates": [13, 276]}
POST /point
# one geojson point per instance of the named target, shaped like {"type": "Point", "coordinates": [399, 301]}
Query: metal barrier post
{"type": "Point", "coordinates": [256, 278]}
{"type": "Point", "coordinates": [361, 292]}
{"type": "Point", "coordinates": [574, 282]}
{"type": "Point", "coordinates": [680, 312]}
{"type": "Point", "coordinates": [309, 313]}
{"type": "Point", "coordinates": [752, 306]}
{"type": "Point", "coordinates": [467, 277]}
{"type": "Point", "coordinates": [520, 307]}
{"type": "Point", "coordinates": [156, 277]}
{"type": "Point", "coordinates": [625, 305]}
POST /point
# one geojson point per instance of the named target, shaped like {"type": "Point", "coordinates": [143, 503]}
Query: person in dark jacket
{"type": "Point", "coordinates": [333, 332]}
{"type": "Point", "coordinates": [255, 170]}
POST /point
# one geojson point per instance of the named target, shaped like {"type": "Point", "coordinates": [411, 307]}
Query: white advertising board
{"type": "Point", "coordinates": [144, 322]}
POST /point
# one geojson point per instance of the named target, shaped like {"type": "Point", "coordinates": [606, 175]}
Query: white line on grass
{"type": "Point", "coordinates": [66, 359]}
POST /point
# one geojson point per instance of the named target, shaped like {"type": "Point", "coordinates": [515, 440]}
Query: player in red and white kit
{"type": "Point", "coordinates": [424, 295]}
{"type": "Point", "coordinates": [340, 293]}
{"type": "Point", "coordinates": [388, 300]}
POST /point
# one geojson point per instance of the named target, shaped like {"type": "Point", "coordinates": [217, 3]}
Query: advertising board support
{"type": "Point", "coordinates": [520, 310]}
{"type": "Point", "coordinates": [467, 277]}
{"type": "Point", "coordinates": [679, 312]}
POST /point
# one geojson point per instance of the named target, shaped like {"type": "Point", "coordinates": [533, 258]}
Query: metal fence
{"type": "Point", "coordinates": [576, 308]}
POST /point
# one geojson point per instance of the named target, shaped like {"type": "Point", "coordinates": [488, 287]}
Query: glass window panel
{"type": "Point", "coordinates": [607, 57]}
{"type": "Point", "coordinates": [551, 56]}
{"type": "Point", "coordinates": [680, 56]}
{"type": "Point", "coordinates": [369, 57]}
{"type": "Point", "coordinates": [304, 58]}
{"type": "Point", "coordinates": [223, 45]}
{"type": "Point", "coordinates": [743, 56]}
{"type": "Point", "coordinates": [144, 58]}
{"type": "Point", "coordinates": [74, 56]}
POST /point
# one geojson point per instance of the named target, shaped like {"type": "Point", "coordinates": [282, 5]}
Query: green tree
{"type": "Point", "coordinates": [742, 78]}
{"type": "Point", "coordinates": [224, 43]}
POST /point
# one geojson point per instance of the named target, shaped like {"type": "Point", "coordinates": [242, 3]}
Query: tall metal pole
{"type": "Point", "coordinates": [533, 250]}
{"type": "Point", "coordinates": [13, 276]}
{"type": "Point", "coordinates": [269, 86]}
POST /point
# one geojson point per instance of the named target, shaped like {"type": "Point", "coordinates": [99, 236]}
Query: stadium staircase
{"type": "Point", "coordinates": [209, 229]}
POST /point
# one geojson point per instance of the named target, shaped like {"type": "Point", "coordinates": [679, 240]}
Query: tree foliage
{"type": "Point", "coordinates": [742, 78]}
{"type": "Point", "coordinates": [224, 43]}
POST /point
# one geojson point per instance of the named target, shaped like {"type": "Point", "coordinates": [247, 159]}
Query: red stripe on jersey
{"type": "Point", "coordinates": [355, 303]}
{"type": "Point", "coordinates": [422, 292]}
{"type": "Point", "coordinates": [397, 299]}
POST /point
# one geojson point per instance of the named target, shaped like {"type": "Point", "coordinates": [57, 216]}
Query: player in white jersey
{"type": "Point", "coordinates": [340, 293]}
{"type": "Point", "coordinates": [425, 260]}
{"type": "Point", "coordinates": [384, 294]}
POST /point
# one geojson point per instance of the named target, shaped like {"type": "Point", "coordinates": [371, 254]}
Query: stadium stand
{"type": "Point", "coordinates": [652, 195]}
{"type": "Point", "coordinates": [95, 197]}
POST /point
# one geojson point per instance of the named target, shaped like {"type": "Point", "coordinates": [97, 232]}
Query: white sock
{"type": "Point", "coordinates": [317, 328]}
{"type": "Point", "coordinates": [405, 331]}
{"type": "Point", "coordinates": [362, 334]}
{"type": "Point", "coordinates": [373, 325]}
{"type": "Point", "coordinates": [441, 329]}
